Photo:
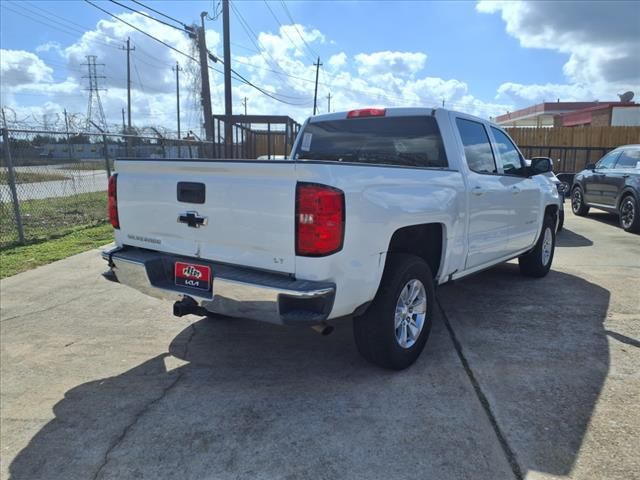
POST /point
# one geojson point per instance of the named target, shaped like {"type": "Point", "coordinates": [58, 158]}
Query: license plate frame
{"type": "Point", "coordinates": [193, 275]}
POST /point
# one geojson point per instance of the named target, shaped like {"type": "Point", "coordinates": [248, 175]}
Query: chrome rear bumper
{"type": "Point", "coordinates": [237, 291]}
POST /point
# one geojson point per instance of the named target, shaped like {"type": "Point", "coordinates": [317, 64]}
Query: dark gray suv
{"type": "Point", "coordinates": [613, 185]}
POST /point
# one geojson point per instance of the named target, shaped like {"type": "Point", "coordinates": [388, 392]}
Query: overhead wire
{"type": "Point", "coordinates": [295, 25]}
{"type": "Point", "coordinates": [48, 22]}
{"type": "Point", "coordinates": [140, 30]}
{"type": "Point", "coordinates": [251, 34]}
{"type": "Point", "coordinates": [64, 28]}
{"type": "Point", "coordinates": [242, 78]}
{"type": "Point", "coordinates": [146, 15]}
{"type": "Point", "coordinates": [282, 29]}
{"type": "Point", "coordinates": [160, 13]}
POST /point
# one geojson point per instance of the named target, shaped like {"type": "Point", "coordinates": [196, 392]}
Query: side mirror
{"type": "Point", "coordinates": [590, 166]}
{"type": "Point", "coordinates": [540, 165]}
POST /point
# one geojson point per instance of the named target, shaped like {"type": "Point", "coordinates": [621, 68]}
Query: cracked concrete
{"type": "Point", "coordinates": [109, 385]}
{"type": "Point", "coordinates": [145, 409]}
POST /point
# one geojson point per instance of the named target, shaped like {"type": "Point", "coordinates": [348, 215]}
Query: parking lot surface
{"type": "Point", "coordinates": [521, 378]}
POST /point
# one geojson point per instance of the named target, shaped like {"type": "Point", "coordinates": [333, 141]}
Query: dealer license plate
{"type": "Point", "coordinates": [193, 275]}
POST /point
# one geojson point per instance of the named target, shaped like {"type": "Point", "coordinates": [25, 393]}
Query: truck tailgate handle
{"type": "Point", "coordinates": [191, 192]}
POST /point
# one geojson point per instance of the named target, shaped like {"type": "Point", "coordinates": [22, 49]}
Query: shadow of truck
{"type": "Point", "coordinates": [257, 401]}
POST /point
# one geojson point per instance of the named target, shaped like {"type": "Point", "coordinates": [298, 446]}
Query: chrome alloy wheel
{"type": "Point", "coordinates": [547, 246]}
{"type": "Point", "coordinates": [627, 212]}
{"type": "Point", "coordinates": [576, 200]}
{"type": "Point", "coordinates": [411, 311]}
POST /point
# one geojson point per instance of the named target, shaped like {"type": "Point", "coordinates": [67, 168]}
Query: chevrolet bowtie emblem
{"type": "Point", "coordinates": [192, 219]}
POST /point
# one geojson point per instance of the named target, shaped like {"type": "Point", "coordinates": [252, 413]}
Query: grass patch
{"type": "Point", "coordinates": [52, 217]}
{"type": "Point", "coordinates": [98, 165]}
{"type": "Point", "coordinates": [19, 259]}
{"type": "Point", "coordinates": [31, 177]}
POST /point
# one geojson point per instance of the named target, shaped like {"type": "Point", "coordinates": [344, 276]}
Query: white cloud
{"type": "Point", "coordinates": [18, 67]}
{"type": "Point", "coordinates": [338, 60]}
{"type": "Point", "coordinates": [285, 68]}
{"type": "Point", "coordinates": [547, 92]}
{"type": "Point", "coordinates": [46, 47]}
{"type": "Point", "coordinates": [396, 63]}
{"type": "Point", "coordinates": [600, 40]}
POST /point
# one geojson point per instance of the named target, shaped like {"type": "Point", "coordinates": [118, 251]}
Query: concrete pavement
{"type": "Point", "coordinates": [79, 181]}
{"type": "Point", "coordinates": [521, 378]}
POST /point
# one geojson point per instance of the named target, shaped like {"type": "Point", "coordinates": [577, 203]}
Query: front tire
{"type": "Point", "coordinates": [395, 328]}
{"type": "Point", "coordinates": [629, 215]}
{"type": "Point", "coordinates": [537, 262]}
{"type": "Point", "coordinates": [578, 206]}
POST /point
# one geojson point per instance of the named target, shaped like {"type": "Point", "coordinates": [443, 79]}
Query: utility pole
{"type": "Point", "coordinates": [204, 79]}
{"type": "Point", "coordinates": [177, 69]}
{"type": "Point", "coordinates": [443, 103]}
{"type": "Point", "coordinates": [129, 49]}
{"type": "Point", "coordinates": [123, 125]}
{"type": "Point", "coordinates": [329, 103]}
{"type": "Point", "coordinates": [315, 95]}
{"type": "Point", "coordinates": [228, 130]}
{"type": "Point", "coordinates": [244, 102]}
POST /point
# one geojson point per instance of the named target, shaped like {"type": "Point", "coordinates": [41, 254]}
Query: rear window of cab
{"type": "Point", "coordinates": [398, 141]}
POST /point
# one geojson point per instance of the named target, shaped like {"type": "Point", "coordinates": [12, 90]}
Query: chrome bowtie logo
{"type": "Point", "coordinates": [191, 271]}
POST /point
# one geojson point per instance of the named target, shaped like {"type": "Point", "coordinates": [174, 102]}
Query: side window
{"type": "Point", "coordinates": [607, 161]}
{"type": "Point", "coordinates": [509, 155]}
{"type": "Point", "coordinates": [477, 148]}
{"type": "Point", "coordinates": [629, 159]}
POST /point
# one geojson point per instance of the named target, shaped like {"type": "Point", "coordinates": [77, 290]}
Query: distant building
{"type": "Point", "coordinates": [604, 115]}
{"type": "Point", "coordinates": [550, 114]}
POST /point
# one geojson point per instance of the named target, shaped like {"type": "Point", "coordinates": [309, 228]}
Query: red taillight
{"type": "Point", "coordinates": [112, 191]}
{"type": "Point", "coordinates": [319, 220]}
{"type": "Point", "coordinates": [366, 112]}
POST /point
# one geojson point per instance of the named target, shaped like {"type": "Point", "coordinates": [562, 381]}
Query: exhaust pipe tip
{"type": "Point", "coordinates": [323, 329]}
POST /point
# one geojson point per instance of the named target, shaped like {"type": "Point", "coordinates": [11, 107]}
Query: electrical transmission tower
{"type": "Point", "coordinates": [95, 113]}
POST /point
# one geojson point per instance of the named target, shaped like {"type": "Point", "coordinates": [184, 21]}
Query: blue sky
{"type": "Point", "coordinates": [484, 58]}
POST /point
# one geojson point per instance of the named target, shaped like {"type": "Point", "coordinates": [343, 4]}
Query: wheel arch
{"type": "Point", "coordinates": [626, 191]}
{"type": "Point", "coordinates": [426, 241]}
{"type": "Point", "coordinates": [552, 210]}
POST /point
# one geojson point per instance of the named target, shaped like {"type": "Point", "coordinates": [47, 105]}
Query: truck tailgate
{"type": "Point", "coordinates": [248, 207]}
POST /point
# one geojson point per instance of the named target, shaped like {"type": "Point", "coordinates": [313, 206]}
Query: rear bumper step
{"type": "Point", "coordinates": [237, 291]}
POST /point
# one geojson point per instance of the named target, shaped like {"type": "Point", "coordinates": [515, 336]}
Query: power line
{"type": "Point", "coordinates": [252, 35]}
{"type": "Point", "coordinates": [140, 30]}
{"type": "Point", "coordinates": [162, 14]}
{"type": "Point", "coordinates": [55, 25]}
{"type": "Point", "coordinates": [282, 29]}
{"type": "Point", "coordinates": [244, 80]}
{"type": "Point", "coordinates": [147, 15]}
{"type": "Point", "coordinates": [313, 52]}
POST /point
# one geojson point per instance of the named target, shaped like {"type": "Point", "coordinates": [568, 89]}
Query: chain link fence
{"type": "Point", "coordinates": [52, 182]}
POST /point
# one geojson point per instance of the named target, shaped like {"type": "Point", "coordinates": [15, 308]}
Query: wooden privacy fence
{"type": "Point", "coordinates": [572, 148]}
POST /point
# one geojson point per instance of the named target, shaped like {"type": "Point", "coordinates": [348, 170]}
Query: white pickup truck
{"type": "Point", "coordinates": [373, 209]}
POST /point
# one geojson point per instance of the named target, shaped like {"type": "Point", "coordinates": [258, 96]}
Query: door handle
{"type": "Point", "coordinates": [477, 191]}
{"type": "Point", "coordinates": [515, 190]}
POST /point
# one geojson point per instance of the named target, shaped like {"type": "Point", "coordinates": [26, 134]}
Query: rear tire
{"type": "Point", "coordinates": [629, 214]}
{"type": "Point", "coordinates": [391, 334]}
{"type": "Point", "coordinates": [537, 262]}
{"type": "Point", "coordinates": [578, 206]}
